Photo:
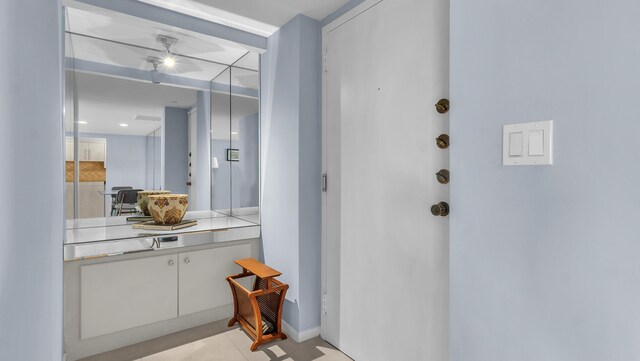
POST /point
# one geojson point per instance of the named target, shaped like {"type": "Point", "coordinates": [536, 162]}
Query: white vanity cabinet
{"type": "Point", "coordinates": [125, 294]}
{"type": "Point", "coordinates": [122, 295]}
{"type": "Point", "coordinates": [202, 284]}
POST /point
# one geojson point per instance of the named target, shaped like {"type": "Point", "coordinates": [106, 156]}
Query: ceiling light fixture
{"type": "Point", "coordinates": [82, 122]}
{"type": "Point", "coordinates": [154, 73]}
{"type": "Point", "coordinates": [124, 124]}
{"type": "Point", "coordinates": [168, 59]}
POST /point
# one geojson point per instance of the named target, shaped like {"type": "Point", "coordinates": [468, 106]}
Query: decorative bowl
{"type": "Point", "coordinates": [143, 199]}
{"type": "Point", "coordinates": [168, 208]}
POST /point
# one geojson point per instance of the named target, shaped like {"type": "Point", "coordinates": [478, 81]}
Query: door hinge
{"type": "Point", "coordinates": [324, 182]}
{"type": "Point", "coordinates": [324, 303]}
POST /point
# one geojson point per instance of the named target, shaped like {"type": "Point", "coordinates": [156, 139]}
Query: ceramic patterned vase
{"type": "Point", "coordinates": [168, 208]}
{"type": "Point", "coordinates": [143, 199]}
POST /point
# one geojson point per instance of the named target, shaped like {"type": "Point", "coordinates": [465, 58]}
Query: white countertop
{"type": "Point", "coordinates": [82, 251]}
{"type": "Point", "coordinates": [122, 220]}
{"type": "Point", "coordinates": [95, 237]}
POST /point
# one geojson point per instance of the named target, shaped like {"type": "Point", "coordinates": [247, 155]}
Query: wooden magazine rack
{"type": "Point", "coordinates": [258, 311]}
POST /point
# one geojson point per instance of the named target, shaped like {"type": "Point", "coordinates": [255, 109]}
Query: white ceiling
{"type": "Point", "coordinates": [262, 17]}
{"type": "Point", "coordinates": [105, 102]}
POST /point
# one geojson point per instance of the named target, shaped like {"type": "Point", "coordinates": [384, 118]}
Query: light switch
{"type": "Point", "coordinates": [515, 144]}
{"type": "Point", "coordinates": [527, 143]}
{"type": "Point", "coordinates": [536, 143]}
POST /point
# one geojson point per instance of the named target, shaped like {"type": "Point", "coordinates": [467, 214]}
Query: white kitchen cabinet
{"type": "Point", "coordinates": [90, 201]}
{"type": "Point", "coordinates": [96, 152]}
{"type": "Point", "coordinates": [202, 283]}
{"type": "Point", "coordinates": [69, 150]}
{"type": "Point", "coordinates": [116, 296]}
{"type": "Point", "coordinates": [88, 150]}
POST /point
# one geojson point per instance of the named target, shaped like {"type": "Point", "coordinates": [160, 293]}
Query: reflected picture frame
{"type": "Point", "coordinates": [233, 155]}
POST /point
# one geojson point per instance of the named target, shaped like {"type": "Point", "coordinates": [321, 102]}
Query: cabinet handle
{"type": "Point", "coordinates": [89, 154]}
{"type": "Point", "coordinates": [170, 262]}
{"type": "Point", "coordinates": [187, 260]}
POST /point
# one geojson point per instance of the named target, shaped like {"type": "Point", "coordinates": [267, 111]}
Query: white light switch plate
{"type": "Point", "coordinates": [527, 143]}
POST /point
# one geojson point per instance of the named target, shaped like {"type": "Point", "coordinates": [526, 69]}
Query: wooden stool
{"type": "Point", "coordinates": [259, 311]}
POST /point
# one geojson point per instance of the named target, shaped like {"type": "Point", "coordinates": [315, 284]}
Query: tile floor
{"type": "Point", "coordinates": [216, 342]}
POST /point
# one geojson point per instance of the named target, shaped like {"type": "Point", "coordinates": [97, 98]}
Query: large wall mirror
{"type": "Point", "coordinates": [152, 107]}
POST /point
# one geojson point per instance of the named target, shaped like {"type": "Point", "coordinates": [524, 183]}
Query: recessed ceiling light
{"type": "Point", "coordinates": [82, 122]}
{"type": "Point", "coordinates": [124, 124]}
{"type": "Point", "coordinates": [234, 133]}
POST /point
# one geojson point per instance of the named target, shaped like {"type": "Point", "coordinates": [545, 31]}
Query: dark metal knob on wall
{"type": "Point", "coordinates": [443, 176]}
{"type": "Point", "coordinates": [441, 209]}
{"type": "Point", "coordinates": [442, 106]}
{"type": "Point", "coordinates": [442, 141]}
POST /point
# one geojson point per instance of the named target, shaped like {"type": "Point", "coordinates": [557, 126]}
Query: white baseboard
{"type": "Point", "coordinates": [302, 336]}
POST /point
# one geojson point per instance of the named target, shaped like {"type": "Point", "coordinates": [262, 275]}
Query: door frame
{"type": "Point", "coordinates": [342, 19]}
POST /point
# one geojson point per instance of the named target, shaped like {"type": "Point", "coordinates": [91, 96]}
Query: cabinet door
{"type": "Point", "coordinates": [202, 283]}
{"type": "Point", "coordinates": [83, 151]}
{"type": "Point", "coordinates": [116, 296]}
{"type": "Point", "coordinates": [97, 152]}
{"type": "Point", "coordinates": [90, 201]}
{"type": "Point", "coordinates": [69, 150]}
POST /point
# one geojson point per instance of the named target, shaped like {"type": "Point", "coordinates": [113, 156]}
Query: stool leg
{"type": "Point", "coordinates": [254, 345]}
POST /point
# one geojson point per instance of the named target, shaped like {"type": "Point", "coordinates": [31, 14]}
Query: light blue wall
{"type": "Point", "coordinates": [310, 172]}
{"type": "Point", "coordinates": [202, 180]}
{"type": "Point", "coordinates": [126, 159]}
{"type": "Point", "coordinates": [32, 180]}
{"type": "Point", "coordinates": [545, 260]}
{"type": "Point", "coordinates": [176, 149]}
{"type": "Point", "coordinates": [291, 164]}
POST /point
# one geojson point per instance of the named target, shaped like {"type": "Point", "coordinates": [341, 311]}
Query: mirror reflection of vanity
{"type": "Point", "coordinates": [154, 107]}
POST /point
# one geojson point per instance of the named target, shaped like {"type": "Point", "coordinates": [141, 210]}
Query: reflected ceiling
{"type": "Point", "coordinates": [107, 37]}
{"type": "Point", "coordinates": [104, 103]}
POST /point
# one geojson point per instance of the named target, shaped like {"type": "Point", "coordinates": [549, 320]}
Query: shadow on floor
{"type": "Point", "coordinates": [216, 341]}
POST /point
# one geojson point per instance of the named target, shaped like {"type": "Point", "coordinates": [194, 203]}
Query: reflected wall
{"type": "Point", "coordinates": [235, 150]}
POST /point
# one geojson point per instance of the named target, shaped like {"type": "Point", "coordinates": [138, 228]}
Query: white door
{"type": "Point", "coordinates": [385, 256]}
{"type": "Point", "coordinates": [202, 279]}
